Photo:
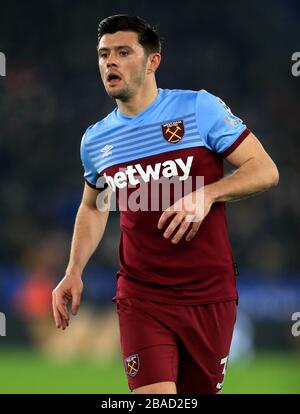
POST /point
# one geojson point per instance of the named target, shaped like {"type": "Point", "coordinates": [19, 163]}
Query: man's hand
{"type": "Point", "coordinates": [70, 288]}
{"type": "Point", "coordinates": [193, 208]}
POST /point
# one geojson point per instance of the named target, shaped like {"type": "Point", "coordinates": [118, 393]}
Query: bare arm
{"type": "Point", "coordinates": [255, 172]}
{"type": "Point", "coordinates": [89, 228]}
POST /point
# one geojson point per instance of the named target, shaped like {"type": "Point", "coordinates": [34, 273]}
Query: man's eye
{"type": "Point", "coordinates": [123, 53]}
{"type": "Point", "coordinates": [103, 55]}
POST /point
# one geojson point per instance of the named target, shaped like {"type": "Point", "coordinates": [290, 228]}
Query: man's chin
{"type": "Point", "coordinates": [117, 94]}
{"type": "Point", "coordinates": [113, 93]}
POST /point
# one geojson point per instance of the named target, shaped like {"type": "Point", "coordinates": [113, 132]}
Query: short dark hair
{"type": "Point", "coordinates": [147, 34]}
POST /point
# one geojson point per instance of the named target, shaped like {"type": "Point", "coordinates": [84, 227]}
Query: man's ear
{"type": "Point", "coordinates": [154, 60]}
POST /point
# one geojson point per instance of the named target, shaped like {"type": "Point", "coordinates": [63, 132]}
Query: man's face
{"type": "Point", "coordinates": [122, 64]}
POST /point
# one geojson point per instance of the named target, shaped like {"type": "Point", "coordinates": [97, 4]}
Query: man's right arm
{"type": "Point", "coordinates": [89, 228]}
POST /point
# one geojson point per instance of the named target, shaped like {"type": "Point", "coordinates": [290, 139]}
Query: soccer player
{"type": "Point", "coordinates": [176, 287]}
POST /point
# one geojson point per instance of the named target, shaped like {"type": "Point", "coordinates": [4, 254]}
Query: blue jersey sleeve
{"type": "Point", "coordinates": [220, 130]}
{"type": "Point", "coordinates": [90, 173]}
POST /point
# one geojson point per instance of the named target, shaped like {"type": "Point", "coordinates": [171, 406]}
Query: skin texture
{"type": "Point", "coordinates": [255, 172]}
{"type": "Point", "coordinates": [120, 54]}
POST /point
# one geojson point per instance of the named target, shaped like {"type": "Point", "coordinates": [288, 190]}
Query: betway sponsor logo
{"type": "Point", "coordinates": [167, 169]}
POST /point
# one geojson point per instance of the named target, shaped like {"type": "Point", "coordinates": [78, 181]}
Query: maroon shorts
{"type": "Point", "coordinates": [186, 344]}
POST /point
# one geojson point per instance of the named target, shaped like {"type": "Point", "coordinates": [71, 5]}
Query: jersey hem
{"type": "Point", "coordinates": [90, 185]}
{"type": "Point", "coordinates": [236, 143]}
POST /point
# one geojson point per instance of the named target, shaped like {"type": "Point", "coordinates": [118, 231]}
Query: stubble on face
{"type": "Point", "coordinates": [131, 86]}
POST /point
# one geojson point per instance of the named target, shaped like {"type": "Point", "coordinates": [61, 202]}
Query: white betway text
{"type": "Point", "coordinates": [152, 188]}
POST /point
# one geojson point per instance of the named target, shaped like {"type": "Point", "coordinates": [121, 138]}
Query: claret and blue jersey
{"type": "Point", "coordinates": [181, 134]}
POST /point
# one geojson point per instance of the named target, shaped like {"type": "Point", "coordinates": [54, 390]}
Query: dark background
{"type": "Point", "coordinates": [240, 51]}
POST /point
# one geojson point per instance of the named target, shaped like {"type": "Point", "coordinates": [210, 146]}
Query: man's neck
{"type": "Point", "coordinates": [139, 102]}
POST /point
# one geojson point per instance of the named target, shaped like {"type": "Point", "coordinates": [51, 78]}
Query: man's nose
{"type": "Point", "coordinates": [112, 60]}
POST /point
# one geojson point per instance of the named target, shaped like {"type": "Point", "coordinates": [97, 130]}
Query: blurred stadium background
{"type": "Point", "coordinates": [52, 92]}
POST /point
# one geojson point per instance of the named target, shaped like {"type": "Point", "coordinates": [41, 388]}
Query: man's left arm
{"type": "Point", "coordinates": [224, 133]}
{"type": "Point", "coordinates": [255, 172]}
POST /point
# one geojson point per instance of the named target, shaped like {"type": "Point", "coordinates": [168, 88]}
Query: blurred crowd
{"type": "Point", "coordinates": [53, 92]}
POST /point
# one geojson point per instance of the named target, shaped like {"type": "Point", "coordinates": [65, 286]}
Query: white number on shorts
{"type": "Point", "coordinates": [223, 362]}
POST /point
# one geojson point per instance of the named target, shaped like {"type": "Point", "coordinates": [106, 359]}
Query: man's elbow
{"type": "Point", "coordinates": [272, 176]}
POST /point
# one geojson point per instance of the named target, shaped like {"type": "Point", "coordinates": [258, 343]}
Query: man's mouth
{"type": "Point", "coordinates": [113, 79]}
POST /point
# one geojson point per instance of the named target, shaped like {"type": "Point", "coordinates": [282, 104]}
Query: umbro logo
{"type": "Point", "coordinates": [106, 150]}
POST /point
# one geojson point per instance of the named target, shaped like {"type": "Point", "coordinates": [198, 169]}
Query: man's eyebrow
{"type": "Point", "coordinates": [106, 49]}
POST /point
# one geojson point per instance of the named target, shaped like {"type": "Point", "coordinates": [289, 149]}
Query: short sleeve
{"type": "Point", "coordinates": [220, 130]}
{"type": "Point", "coordinates": [90, 173]}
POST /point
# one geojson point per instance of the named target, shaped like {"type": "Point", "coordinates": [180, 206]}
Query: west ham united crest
{"type": "Point", "coordinates": [173, 131]}
{"type": "Point", "coordinates": [132, 364]}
